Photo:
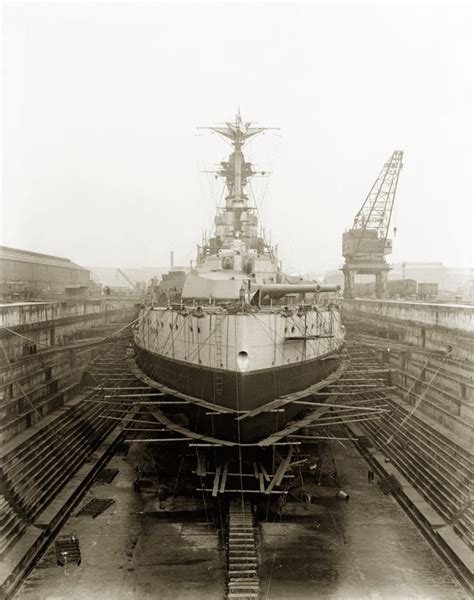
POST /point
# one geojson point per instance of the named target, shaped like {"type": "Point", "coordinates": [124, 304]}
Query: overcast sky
{"type": "Point", "coordinates": [101, 161]}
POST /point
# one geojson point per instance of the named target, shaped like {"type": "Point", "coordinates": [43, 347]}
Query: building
{"type": "Point", "coordinates": [26, 275]}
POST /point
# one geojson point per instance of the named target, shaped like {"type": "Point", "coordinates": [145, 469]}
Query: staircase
{"type": "Point", "coordinates": [243, 581]}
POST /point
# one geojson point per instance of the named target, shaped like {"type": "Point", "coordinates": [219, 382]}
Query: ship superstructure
{"type": "Point", "coordinates": [241, 335]}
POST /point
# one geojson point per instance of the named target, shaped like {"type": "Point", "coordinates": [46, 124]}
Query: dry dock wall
{"type": "Point", "coordinates": [41, 361]}
{"type": "Point", "coordinates": [425, 325]}
{"type": "Point", "coordinates": [429, 433]}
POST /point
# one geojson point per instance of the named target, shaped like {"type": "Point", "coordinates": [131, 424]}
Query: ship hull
{"type": "Point", "coordinates": [239, 391]}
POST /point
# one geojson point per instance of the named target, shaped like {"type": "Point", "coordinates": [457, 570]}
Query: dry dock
{"type": "Point", "coordinates": [60, 434]}
{"type": "Point", "coordinates": [366, 547]}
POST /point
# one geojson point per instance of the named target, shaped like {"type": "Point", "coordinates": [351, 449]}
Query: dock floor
{"type": "Point", "coordinates": [363, 548]}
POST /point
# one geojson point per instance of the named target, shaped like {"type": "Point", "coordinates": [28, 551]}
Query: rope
{"type": "Point", "coordinates": [75, 346]}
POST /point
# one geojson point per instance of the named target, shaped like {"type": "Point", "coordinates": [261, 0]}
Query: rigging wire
{"type": "Point", "coordinates": [73, 346]}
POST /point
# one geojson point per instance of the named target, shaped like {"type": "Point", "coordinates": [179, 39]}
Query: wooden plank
{"type": "Point", "coordinates": [159, 416]}
{"type": "Point", "coordinates": [280, 472]}
{"type": "Point", "coordinates": [285, 467]}
{"type": "Point", "coordinates": [224, 477]}
{"type": "Point", "coordinates": [320, 437]}
{"type": "Point", "coordinates": [265, 473]}
{"type": "Point", "coordinates": [217, 476]}
{"type": "Point", "coordinates": [347, 406]}
{"type": "Point", "coordinates": [283, 433]}
{"type": "Point", "coordinates": [201, 464]}
{"type": "Point", "coordinates": [242, 491]}
{"type": "Point", "coordinates": [134, 395]}
{"type": "Point", "coordinates": [119, 389]}
{"type": "Point", "coordinates": [156, 440]}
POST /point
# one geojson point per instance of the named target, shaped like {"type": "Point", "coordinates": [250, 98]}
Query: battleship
{"type": "Point", "coordinates": [242, 335]}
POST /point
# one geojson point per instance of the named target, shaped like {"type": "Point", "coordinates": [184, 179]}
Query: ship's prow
{"type": "Point", "coordinates": [237, 335]}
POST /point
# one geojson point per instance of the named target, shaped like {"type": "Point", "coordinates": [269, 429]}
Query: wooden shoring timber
{"type": "Point", "coordinates": [235, 474]}
{"type": "Point", "coordinates": [321, 437]}
{"type": "Point", "coordinates": [242, 491]}
{"type": "Point", "coordinates": [103, 371]}
{"type": "Point", "coordinates": [201, 467]}
{"type": "Point", "coordinates": [275, 438]}
{"type": "Point", "coordinates": [225, 472]}
{"type": "Point", "coordinates": [152, 429]}
{"type": "Point", "coordinates": [345, 379]}
{"type": "Point", "coordinates": [218, 414]}
{"type": "Point", "coordinates": [217, 476]}
{"type": "Point", "coordinates": [137, 403]}
{"type": "Point", "coordinates": [332, 416]}
{"type": "Point", "coordinates": [117, 378]}
{"type": "Point", "coordinates": [342, 384]}
{"type": "Point", "coordinates": [150, 395]}
{"type": "Point", "coordinates": [355, 367]}
{"type": "Point", "coordinates": [155, 440]}
{"type": "Point", "coordinates": [346, 406]}
{"type": "Point", "coordinates": [159, 416]}
{"type": "Point", "coordinates": [280, 472]}
{"type": "Point", "coordinates": [101, 388]}
{"type": "Point", "coordinates": [279, 402]}
{"type": "Point", "coordinates": [343, 393]}
{"type": "Point", "coordinates": [255, 470]}
{"type": "Point", "coordinates": [193, 445]}
{"type": "Point", "coordinates": [264, 472]}
{"type": "Point", "coordinates": [281, 444]}
{"type": "Point", "coordinates": [344, 421]}
{"type": "Point", "coordinates": [128, 420]}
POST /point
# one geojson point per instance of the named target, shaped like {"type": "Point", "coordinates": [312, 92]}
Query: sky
{"type": "Point", "coordinates": [102, 161]}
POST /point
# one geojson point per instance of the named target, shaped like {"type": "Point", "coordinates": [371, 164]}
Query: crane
{"type": "Point", "coordinates": [366, 244]}
{"type": "Point", "coordinates": [127, 279]}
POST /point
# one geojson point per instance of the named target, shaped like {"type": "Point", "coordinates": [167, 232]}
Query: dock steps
{"type": "Point", "coordinates": [95, 507]}
{"type": "Point", "coordinates": [68, 551]}
{"type": "Point", "coordinates": [106, 476]}
{"type": "Point", "coordinates": [243, 581]}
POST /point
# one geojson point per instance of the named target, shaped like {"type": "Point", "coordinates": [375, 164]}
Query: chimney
{"type": "Point", "coordinates": [171, 259]}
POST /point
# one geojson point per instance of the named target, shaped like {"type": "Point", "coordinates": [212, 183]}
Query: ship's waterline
{"type": "Point", "coordinates": [239, 332]}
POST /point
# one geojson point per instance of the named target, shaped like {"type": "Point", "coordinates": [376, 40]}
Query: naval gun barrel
{"type": "Point", "coordinates": [278, 290]}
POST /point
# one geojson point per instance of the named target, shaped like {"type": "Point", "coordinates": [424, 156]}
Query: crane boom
{"type": "Point", "coordinates": [376, 212]}
{"type": "Point", "coordinates": [365, 245]}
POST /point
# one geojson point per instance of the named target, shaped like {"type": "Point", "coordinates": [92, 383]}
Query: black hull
{"type": "Point", "coordinates": [239, 391]}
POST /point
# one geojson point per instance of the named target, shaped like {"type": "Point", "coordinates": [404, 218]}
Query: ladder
{"type": "Point", "coordinates": [218, 356]}
{"type": "Point", "coordinates": [243, 581]}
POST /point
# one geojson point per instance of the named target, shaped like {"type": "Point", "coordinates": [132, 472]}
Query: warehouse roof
{"type": "Point", "coordinates": [37, 258]}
